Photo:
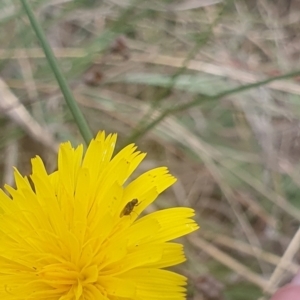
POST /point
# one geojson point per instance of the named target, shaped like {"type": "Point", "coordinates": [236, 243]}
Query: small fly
{"type": "Point", "coordinates": [127, 210]}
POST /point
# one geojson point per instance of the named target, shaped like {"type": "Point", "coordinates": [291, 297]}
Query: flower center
{"type": "Point", "coordinates": [66, 278]}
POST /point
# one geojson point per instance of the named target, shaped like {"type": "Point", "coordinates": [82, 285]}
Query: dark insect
{"type": "Point", "coordinates": [127, 210]}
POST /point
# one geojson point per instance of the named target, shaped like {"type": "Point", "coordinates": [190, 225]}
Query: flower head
{"type": "Point", "coordinates": [76, 233]}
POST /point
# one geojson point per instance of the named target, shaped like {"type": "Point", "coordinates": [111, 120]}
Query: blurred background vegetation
{"type": "Point", "coordinates": [192, 82]}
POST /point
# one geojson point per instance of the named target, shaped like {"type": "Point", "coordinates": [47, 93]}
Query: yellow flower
{"type": "Point", "coordinates": [75, 233]}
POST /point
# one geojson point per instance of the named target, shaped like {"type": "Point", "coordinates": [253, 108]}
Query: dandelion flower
{"type": "Point", "coordinates": [77, 233]}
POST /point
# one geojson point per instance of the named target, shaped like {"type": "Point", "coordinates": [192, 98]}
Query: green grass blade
{"type": "Point", "coordinates": [69, 98]}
